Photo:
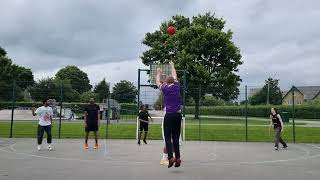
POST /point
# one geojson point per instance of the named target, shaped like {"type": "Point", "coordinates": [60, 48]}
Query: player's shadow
{"type": "Point", "coordinates": [177, 171]}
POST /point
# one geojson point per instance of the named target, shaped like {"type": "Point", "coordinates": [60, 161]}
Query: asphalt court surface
{"type": "Point", "coordinates": [124, 159]}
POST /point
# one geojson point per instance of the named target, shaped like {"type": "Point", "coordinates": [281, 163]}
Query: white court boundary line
{"type": "Point", "coordinates": [306, 156]}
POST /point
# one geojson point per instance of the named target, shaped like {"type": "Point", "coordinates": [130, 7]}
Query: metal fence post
{"type": "Point", "coordinates": [61, 99]}
{"type": "Point", "coordinates": [246, 112]}
{"type": "Point", "coordinates": [13, 106]}
{"type": "Point", "coordinates": [108, 115]}
{"type": "Point", "coordinates": [199, 112]}
{"type": "Point", "coordinates": [139, 70]}
{"type": "Point", "coordinates": [184, 104]}
{"type": "Point", "coordinates": [293, 118]}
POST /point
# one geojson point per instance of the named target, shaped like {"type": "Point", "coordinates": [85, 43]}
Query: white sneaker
{"type": "Point", "coordinates": [49, 148]}
{"type": "Point", "coordinates": [164, 162]}
{"type": "Point", "coordinates": [39, 147]}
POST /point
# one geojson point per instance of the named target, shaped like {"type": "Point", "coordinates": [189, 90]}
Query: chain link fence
{"type": "Point", "coordinates": [207, 118]}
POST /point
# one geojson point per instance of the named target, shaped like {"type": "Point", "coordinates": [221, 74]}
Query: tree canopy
{"type": "Point", "coordinates": [79, 80]}
{"type": "Point", "coordinates": [102, 90]}
{"type": "Point", "coordinates": [10, 73]}
{"type": "Point", "coordinates": [204, 49]}
{"type": "Point", "coordinates": [275, 94]}
{"type": "Point", "coordinates": [124, 92]}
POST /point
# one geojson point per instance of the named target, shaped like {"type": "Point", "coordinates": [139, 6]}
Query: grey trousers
{"type": "Point", "coordinates": [277, 137]}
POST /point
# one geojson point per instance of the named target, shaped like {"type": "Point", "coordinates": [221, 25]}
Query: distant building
{"type": "Point", "coordinates": [302, 94]}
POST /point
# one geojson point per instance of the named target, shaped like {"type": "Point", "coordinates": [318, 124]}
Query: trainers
{"type": "Point", "coordinates": [276, 148]}
{"type": "Point", "coordinates": [178, 163]}
{"type": "Point", "coordinates": [49, 148]}
{"type": "Point", "coordinates": [145, 142]}
{"type": "Point", "coordinates": [139, 143]}
{"type": "Point", "coordinates": [96, 146]}
{"type": "Point", "coordinates": [39, 147]}
{"type": "Point", "coordinates": [86, 146]}
{"type": "Point", "coordinates": [164, 162]}
{"type": "Point", "coordinates": [171, 162]}
{"type": "Point", "coordinates": [285, 147]}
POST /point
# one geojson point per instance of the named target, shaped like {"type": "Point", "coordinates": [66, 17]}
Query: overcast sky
{"type": "Point", "coordinates": [276, 38]}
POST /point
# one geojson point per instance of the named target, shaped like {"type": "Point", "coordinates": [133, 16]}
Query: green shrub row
{"type": "Point", "coordinates": [302, 111]}
{"type": "Point", "coordinates": [126, 108]}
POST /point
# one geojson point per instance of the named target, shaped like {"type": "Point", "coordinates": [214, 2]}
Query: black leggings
{"type": "Point", "coordinates": [172, 129]}
{"type": "Point", "coordinates": [41, 130]}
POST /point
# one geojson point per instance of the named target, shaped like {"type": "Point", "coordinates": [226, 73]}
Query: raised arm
{"type": "Point", "coordinates": [173, 71]}
{"type": "Point", "coordinates": [158, 77]}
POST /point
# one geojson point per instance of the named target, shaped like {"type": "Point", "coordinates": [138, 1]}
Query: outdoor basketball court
{"type": "Point", "coordinates": [123, 159]}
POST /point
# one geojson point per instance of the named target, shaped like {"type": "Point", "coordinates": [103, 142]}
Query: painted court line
{"type": "Point", "coordinates": [306, 156]}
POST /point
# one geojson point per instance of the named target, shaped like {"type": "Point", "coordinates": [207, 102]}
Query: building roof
{"type": "Point", "coordinates": [309, 92]}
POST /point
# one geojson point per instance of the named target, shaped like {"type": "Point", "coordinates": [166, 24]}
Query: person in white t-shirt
{"type": "Point", "coordinates": [44, 114]}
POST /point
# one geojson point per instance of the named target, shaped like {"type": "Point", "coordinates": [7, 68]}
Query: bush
{"type": "Point", "coordinates": [86, 96]}
{"type": "Point", "coordinates": [8, 104]}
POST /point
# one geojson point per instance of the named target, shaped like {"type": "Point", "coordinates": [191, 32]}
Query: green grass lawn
{"type": "Point", "coordinates": [217, 120]}
{"type": "Point", "coordinates": [193, 132]}
{"type": "Point", "coordinates": [224, 120]}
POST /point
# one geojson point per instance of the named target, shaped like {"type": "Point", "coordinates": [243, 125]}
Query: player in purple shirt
{"type": "Point", "coordinates": [172, 119]}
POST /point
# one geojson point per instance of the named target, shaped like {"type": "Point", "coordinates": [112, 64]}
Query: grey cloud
{"type": "Point", "coordinates": [276, 38]}
{"type": "Point", "coordinates": [85, 32]}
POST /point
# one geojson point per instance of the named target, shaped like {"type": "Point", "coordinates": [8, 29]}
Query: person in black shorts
{"type": "Point", "coordinates": [277, 123]}
{"type": "Point", "coordinates": [92, 122]}
{"type": "Point", "coordinates": [144, 123]}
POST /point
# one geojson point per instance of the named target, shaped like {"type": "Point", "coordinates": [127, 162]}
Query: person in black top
{"type": "Point", "coordinates": [92, 122]}
{"type": "Point", "coordinates": [144, 123]}
{"type": "Point", "coordinates": [277, 123]}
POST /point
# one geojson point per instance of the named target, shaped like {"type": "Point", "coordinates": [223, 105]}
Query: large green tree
{"type": "Point", "coordinates": [124, 92]}
{"type": "Point", "coordinates": [102, 90]}
{"type": "Point", "coordinates": [270, 90]}
{"type": "Point", "coordinates": [78, 79]}
{"type": "Point", "coordinates": [9, 73]}
{"type": "Point", "coordinates": [55, 89]}
{"type": "Point", "coordinates": [204, 48]}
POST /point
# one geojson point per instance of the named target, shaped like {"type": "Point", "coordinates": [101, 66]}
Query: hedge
{"type": "Point", "coordinates": [301, 111]}
{"type": "Point", "coordinates": [126, 108]}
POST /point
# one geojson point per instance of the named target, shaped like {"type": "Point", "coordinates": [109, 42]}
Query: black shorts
{"type": "Point", "coordinates": [144, 126]}
{"type": "Point", "coordinates": [91, 127]}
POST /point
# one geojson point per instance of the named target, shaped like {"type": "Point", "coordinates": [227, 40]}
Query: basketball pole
{"type": "Point", "coordinates": [138, 106]}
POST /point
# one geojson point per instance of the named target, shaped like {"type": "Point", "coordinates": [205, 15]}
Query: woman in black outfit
{"type": "Point", "coordinates": [277, 123]}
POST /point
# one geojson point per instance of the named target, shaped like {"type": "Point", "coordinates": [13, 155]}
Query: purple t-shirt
{"type": "Point", "coordinates": [172, 97]}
